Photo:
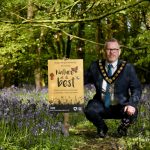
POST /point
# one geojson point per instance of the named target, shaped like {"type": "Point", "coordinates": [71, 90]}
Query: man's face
{"type": "Point", "coordinates": [112, 51]}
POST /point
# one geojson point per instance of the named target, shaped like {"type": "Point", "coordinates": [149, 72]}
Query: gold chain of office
{"type": "Point", "coordinates": [111, 79]}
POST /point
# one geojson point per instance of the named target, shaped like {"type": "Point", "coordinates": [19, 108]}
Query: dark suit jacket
{"type": "Point", "coordinates": [127, 88]}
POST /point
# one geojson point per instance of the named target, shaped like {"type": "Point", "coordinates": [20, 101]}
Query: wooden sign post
{"type": "Point", "coordinates": [65, 86]}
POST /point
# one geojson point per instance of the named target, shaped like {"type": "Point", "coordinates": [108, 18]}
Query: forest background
{"type": "Point", "coordinates": [34, 31]}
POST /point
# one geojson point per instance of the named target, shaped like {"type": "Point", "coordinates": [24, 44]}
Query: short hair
{"type": "Point", "coordinates": [111, 40]}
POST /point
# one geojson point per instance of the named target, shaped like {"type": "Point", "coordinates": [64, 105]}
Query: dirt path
{"type": "Point", "coordinates": [89, 141]}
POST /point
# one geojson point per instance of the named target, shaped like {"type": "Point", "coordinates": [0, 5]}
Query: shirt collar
{"type": "Point", "coordinates": [114, 64]}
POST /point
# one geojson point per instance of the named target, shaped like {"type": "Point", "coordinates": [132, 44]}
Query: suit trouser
{"type": "Point", "coordinates": [95, 112]}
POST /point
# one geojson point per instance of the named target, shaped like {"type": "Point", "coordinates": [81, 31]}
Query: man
{"type": "Point", "coordinates": [118, 91]}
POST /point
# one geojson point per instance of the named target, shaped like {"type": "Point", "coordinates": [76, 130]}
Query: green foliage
{"type": "Point", "coordinates": [25, 45]}
{"type": "Point", "coordinates": [27, 123]}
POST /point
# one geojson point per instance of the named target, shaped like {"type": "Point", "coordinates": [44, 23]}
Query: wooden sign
{"type": "Point", "coordinates": [65, 85]}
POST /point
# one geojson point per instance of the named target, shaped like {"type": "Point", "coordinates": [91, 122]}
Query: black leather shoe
{"type": "Point", "coordinates": [122, 131]}
{"type": "Point", "coordinates": [102, 133]}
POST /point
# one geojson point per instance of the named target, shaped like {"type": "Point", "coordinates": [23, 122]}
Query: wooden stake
{"type": "Point", "coordinates": [65, 128]}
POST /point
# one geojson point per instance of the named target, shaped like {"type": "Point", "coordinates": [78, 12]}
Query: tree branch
{"type": "Point", "coordinates": [87, 19]}
{"type": "Point", "coordinates": [83, 39]}
{"type": "Point", "coordinates": [71, 36]}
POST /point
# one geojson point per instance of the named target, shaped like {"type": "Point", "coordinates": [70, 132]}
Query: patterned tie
{"type": "Point", "coordinates": [107, 95]}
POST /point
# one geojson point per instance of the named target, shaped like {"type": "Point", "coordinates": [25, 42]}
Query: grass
{"type": "Point", "coordinates": [137, 139]}
{"type": "Point", "coordinates": [28, 125]}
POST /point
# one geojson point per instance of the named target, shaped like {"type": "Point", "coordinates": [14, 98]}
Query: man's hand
{"type": "Point", "coordinates": [130, 110]}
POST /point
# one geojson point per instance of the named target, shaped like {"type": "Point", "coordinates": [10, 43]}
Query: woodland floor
{"type": "Point", "coordinates": [91, 142]}
{"type": "Point", "coordinates": [85, 139]}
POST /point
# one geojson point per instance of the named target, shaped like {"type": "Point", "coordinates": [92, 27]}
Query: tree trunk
{"type": "Point", "coordinates": [1, 78]}
{"type": "Point", "coordinates": [81, 44]}
{"type": "Point", "coordinates": [99, 39]}
{"type": "Point", "coordinates": [61, 51]}
{"type": "Point", "coordinates": [39, 81]}
{"type": "Point", "coordinates": [81, 33]}
{"type": "Point", "coordinates": [37, 72]}
{"type": "Point", "coordinates": [30, 10]}
{"type": "Point", "coordinates": [68, 49]}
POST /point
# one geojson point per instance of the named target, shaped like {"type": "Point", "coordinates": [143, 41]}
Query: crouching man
{"type": "Point", "coordinates": [118, 91]}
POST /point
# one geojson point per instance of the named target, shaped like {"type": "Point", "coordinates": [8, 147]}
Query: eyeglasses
{"type": "Point", "coordinates": [113, 50]}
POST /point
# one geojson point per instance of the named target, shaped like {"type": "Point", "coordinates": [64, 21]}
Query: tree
{"type": "Point", "coordinates": [34, 31]}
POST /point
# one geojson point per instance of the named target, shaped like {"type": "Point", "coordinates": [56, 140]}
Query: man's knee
{"type": "Point", "coordinates": [89, 110]}
{"type": "Point", "coordinates": [130, 118]}
{"type": "Point", "coordinates": [93, 109]}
